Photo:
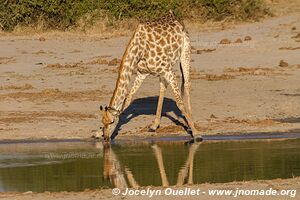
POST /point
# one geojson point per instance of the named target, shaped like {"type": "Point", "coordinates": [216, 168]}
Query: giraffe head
{"type": "Point", "coordinates": [110, 119]}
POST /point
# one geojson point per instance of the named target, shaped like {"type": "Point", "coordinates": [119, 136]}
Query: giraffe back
{"type": "Point", "coordinates": [160, 43]}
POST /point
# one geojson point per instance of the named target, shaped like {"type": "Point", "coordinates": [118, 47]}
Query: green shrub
{"type": "Point", "coordinates": [238, 9]}
{"type": "Point", "coordinates": [58, 14]}
{"type": "Point", "coordinates": [62, 14]}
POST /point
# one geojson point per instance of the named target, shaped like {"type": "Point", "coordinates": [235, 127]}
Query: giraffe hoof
{"type": "Point", "coordinates": [199, 139]}
{"type": "Point", "coordinates": [151, 129]}
{"type": "Point", "coordinates": [95, 137]}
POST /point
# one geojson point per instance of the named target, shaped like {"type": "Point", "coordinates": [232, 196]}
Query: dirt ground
{"type": "Point", "coordinates": [245, 78]}
{"type": "Point", "coordinates": [278, 185]}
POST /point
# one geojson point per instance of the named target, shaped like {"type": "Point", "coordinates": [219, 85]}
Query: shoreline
{"type": "Point", "coordinates": [275, 184]}
{"type": "Point", "coordinates": [166, 137]}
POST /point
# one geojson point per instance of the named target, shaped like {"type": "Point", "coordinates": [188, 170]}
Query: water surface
{"type": "Point", "coordinates": [75, 166]}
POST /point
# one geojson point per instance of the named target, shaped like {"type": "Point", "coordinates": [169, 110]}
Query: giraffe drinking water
{"type": "Point", "coordinates": [154, 49]}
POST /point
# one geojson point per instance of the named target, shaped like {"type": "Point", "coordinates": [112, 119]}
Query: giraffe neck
{"type": "Point", "coordinates": [129, 59]}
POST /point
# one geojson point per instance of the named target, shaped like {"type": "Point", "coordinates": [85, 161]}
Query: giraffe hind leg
{"type": "Point", "coordinates": [156, 122]}
{"type": "Point", "coordinates": [171, 78]}
{"type": "Point", "coordinates": [185, 66]}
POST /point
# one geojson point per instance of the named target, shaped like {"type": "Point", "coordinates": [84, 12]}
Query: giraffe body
{"type": "Point", "coordinates": [154, 49]}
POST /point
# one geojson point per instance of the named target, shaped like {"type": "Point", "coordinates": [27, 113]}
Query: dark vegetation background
{"type": "Point", "coordinates": [66, 14]}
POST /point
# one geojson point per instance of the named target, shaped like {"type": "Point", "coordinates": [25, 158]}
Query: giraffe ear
{"type": "Point", "coordinates": [101, 107]}
{"type": "Point", "coordinates": [106, 108]}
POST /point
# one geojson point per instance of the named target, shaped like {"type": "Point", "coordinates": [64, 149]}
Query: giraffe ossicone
{"type": "Point", "coordinates": [154, 49]}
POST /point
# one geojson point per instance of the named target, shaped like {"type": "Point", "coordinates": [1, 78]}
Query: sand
{"type": "Point", "coordinates": [278, 185]}
{"type": "Point", "coordinates": [245, 78]}
{"type": "Point", "coordinates": [52, 88]}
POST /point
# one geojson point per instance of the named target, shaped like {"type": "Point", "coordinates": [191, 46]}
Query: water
{"type": "Point", "coordinates": [75, 166]}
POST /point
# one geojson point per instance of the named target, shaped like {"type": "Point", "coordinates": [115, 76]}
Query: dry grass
{"type": "Point", "coordinates": [217, 77]}
{"type": "Point", "coordinates": [75, 51]}
{"type": "Point", "coordinates": [296, 36]}
{"type": "Point", "coordinates": [114, 62]}
{"type": "Point", "coordinates": [26, 86]}
{"type": "Point", "coordinates": [231, 73]}
{"type": "Point", "coordinates": [254, 71]}
{"type": "Point", "coordinates": [69, 69]}
{"type": "Point", "coordinates": [170, 129]}
{"type": "Point", "coordinates": [256, 122]}
{"type": "Point", "coordinates": [103, 60]}
{"type": "Point", "coordinates": [99, 30]}
{"type": "Point", "coordinates": [80, 67]}
{"type": "Point", "coordinates": [111, 70]}
{"type": "Point", "coordinates": [50, 94]}
{"type": "Point", "coordinates": [6, 60]}
{"type": "Point", "coordinates": [20, 117]}
{"type": "Point", "coordinates": [214, 123]}
{"type": "Point", "coordinates": [210, 77]}
{"type": "Point", "coordinates": [289, 48]}
{"type": "Point", "coordinates": [65, 66]}
{"type": "Point", "coordinates": [200, 51]}
{"type": "Point", "coordinates": [40, 52]}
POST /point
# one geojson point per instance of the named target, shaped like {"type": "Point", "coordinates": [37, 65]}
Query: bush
{"type": "Point", "coordinates": [62, 14]}
{"type": "Point", "coordinates": [58, 14]}
{"type": "Point", "coordinates": [237, 9]}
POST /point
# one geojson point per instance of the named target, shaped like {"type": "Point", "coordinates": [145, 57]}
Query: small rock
{"type": "Point", "coordinates": [114, 61]}
{"type": "Point", "coordinates": [199, 51]}
{"type": "Point", "coordinates": [225, 41]}
{"type": "Point", "coordinates": [296, 36]}
{"type": "Point", "coordinates": [42, 39]}
{"type": "Point", "coordinates": [247, 38]}
{"type": "Point", "coordinates": [97, 134]}
{"type": "Point", "coordinates": [259, 72]}
{"type": "Point", "coordinates": [282, 63]}
{"type": "Point", "coordinates": [239, 40]}
{"type": "Point", "coordinates": [28, 192]}
{"type": "Point", "coordinates": [294, 28]}
{"type": "Point", "coordinates": [212, 116]}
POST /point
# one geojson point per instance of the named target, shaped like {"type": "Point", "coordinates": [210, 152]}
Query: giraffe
{"type": "Point", "coordinates": [154, 49]}
{"type": "Point", "coordinates": [122, 177]}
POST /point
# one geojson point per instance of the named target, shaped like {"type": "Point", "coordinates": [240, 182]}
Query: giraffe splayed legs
{"type": "Point", "coordinates": [154, 49]}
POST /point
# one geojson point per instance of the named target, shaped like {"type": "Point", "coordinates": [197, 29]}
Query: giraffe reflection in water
{"type": "Point", "coordinates": [121, 176]}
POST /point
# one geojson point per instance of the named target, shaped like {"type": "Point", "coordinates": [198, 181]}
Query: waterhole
{"type": "Point", "coordinates": [76, 166]}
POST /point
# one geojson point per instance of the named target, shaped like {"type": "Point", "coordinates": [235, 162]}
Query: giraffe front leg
{"type": "Point", "coordinates": [161, 166]}
{"type": "Point", "coordinates": [136, 85]}
{"type": "Point", "coordinates": [171, 78]}
{"type": "Point", "coordinates": [156, 122]}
